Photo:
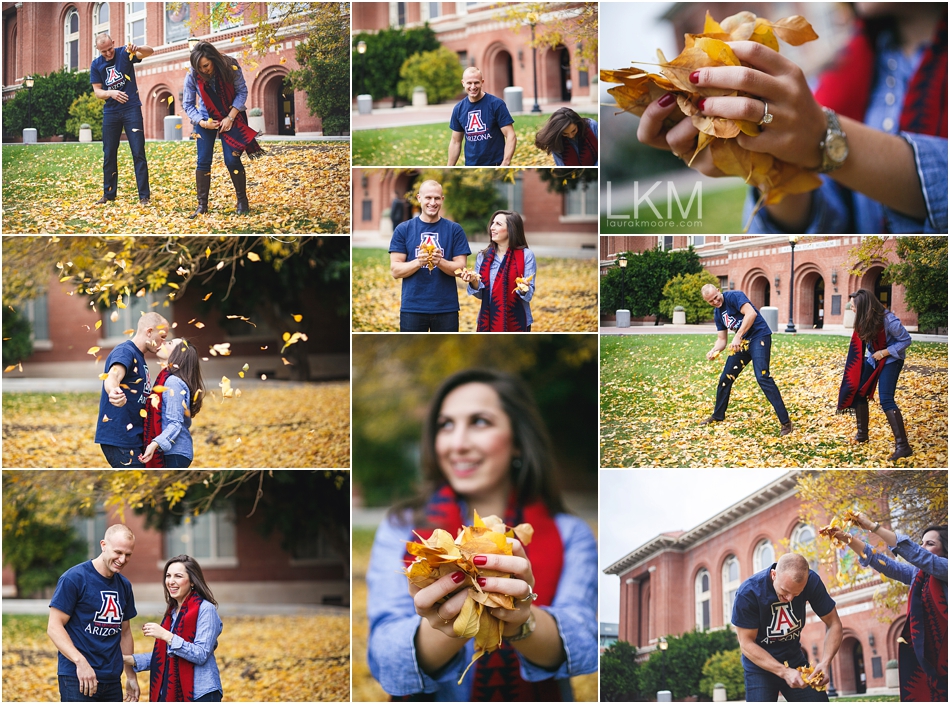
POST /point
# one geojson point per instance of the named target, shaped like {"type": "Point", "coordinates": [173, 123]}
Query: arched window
{"type": "Point", "coordinates": [763, 556]}
{"type": "Point", "coordinates": [71, 45]}
{"type": "Point", "coordinates": [802, 537]}
{"type": "Point", "coordinates": [135, 23]}
{"type": "Point", "coordinates": [730, 585]}
{"type": "Point", "coordinates": [100, 24]}
{"type": "Point", "coordinates": [703, 600]}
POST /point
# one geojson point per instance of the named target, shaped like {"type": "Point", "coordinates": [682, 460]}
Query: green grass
{"type": "Point", "coordinates": [722, 212]}
{"type": "Point", "coordinates": [428, 145]}
{"type": "Point", "coordinates": [869, 698]}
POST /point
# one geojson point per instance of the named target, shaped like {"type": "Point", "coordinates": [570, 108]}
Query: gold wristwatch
{"type": "Point", "coordinates": [527, 628]}
{"type": "Point", "coordinates": [834, 147]}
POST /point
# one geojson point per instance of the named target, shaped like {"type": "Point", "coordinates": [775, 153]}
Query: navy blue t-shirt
{"type": "Point", "coordinates": [429, 291]}
{"type": "Point", "coordinates": [116, 431]}
{"type": "Point", "coordinates": [779, 623]}
{"type": "Point", "coordinates": [481, 123]}
{"type": "Point", "coordinates": [728, 316]}
{"type": "Point", "coordinates": [117, 74]}
{"type": "Point", "coordinates": [97, 607]}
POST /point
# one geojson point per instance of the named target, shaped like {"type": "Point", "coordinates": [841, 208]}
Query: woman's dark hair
{"type": "Point", "coordinates": [868, 314]}
{"type": "Point", "coordinates": [941, 531]}
{"type": "Point", "coordinates": [550, 137]}
{"type": "Point", "coordinates": [196, 576]}
{"type": "Point", "coordinates": [184, 363]}
{"type": "Point", "coordinates": [532, 477]}
{"type": "Point", "coordinates": [222, 64]}
{"type": "Point", "coordinates": [516, 238]}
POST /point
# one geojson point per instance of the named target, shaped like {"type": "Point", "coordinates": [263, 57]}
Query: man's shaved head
{"type": "Point", "coordinates": [793, 565]}
{"type": "Point", "coordinates": [103, 39]}
{"type": "Point", "coordinates": [151, 320]}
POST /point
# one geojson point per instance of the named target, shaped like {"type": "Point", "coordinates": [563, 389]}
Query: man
{"type": "Point", "coordinates": [113, 79]}
{"type": "Point", "coordinates": [769, 613]}
{"type": "Point", "coordinates": [430, 299]}
{"type": "Point", "coordinates": [89, 624]}
{"type": "Point", "coordinates": [125, 390]}
{"type": "Point", "coordinates": [734, 311]}
{"type": "Point", "coordinates": [397, 211]}
{"type": "Point", "coordinates": [485, 123]}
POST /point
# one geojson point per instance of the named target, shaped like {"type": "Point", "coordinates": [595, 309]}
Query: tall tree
{"type": "Point", "coordinates": [643, 281]}
{"type": "Point", "coordinates": [325, 66]}
{"type": "Point", "coordinates": [556, 24]}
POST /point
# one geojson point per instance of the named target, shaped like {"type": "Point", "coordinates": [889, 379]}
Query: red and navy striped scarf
{"type": "Point", "coordinates": [588, 150]}
{"type": "Point", "coordinates": [501, 309]}
{"type": "Point", "coordinates": [153, 422]}
{"type": "Point", "coordinates": [175, 673]}
{"type": "Point", "coordinates": [846, 86]}
{"type": "Point", "coordinates": [218, 100]}
{"type": "Point", "coordinates": [923, 655]}
{"type": "Point", "coordinates": [851, 386]}
{"type": "Point", "coordinates": [498, 675]}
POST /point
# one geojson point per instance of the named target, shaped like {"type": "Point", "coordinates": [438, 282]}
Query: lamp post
{"type": "Point", "coordinates": [791, 288]}
{"type": "Point", "coordinates": [622, 261]}
{"type": "Point", "coordinates": [361, 50]}
{"type": "Point", "coordinates": [192, 43]}
{"type": "Point", "coordinates": [28, 81]}
{"type": "Point", "coordinates": [533, 21]}
{"type": "Point", "coordinates": [663, 645]}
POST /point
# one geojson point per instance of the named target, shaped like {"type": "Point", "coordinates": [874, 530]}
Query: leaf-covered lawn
{"type": "Point", "coordinates": [655, 389]}
{"type": "Point", "coordinates": [299, 426]}
{"type": "Point", "coordinates": [298, 187]}
{"type": "Point", "coordinates": [428, 145]}
{"type": "Point", "coordinates": [564, 301]}
{"type": "Point", "coordinates": [260, 658]}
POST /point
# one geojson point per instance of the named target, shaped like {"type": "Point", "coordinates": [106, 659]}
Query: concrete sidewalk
{"type": "Point", "coordinates": [41, 607]}
{"type": "Point", "coordinates": [373, 239]}
{"type": "Point", "coordinates": [710, 329]}
{"type": "Point", "coordinates": [409, 116]}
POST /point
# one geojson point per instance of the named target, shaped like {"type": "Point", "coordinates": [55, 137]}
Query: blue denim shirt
{"type": "Point", "coordinates": [530, 269]}
{"type": "Point", "coordinates": [201, 652]}
{"type": "Point", "coordinates": [175, 438]}
{"type": "Point", "coordinates": [572, 144]}
{"type": "Point", "coordinates": [918, 558]}
{"type": "Point", "coordinates": [393, 620]}
{"type": "Point", "coordinates": [195, 107]}
{"type": "Point", "coordinates": [898, 340]}
{"type": "Point", "coordinates": [836, 209]}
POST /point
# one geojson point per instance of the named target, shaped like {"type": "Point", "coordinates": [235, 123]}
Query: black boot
{"type": "Point", "coordinates": [861, 419]}
{"type": "Point", "coordinates": [203, 184]}
{"type": "Point", "coordinates": [239, 179]}
{"type": "Point", "coordinates": [901, 446]}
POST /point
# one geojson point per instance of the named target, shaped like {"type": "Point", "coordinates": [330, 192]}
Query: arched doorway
{"type": "Point", "coordinates": [564, 61]}
{"type": "Point", "coordinates": [873, 281]}
{"type": "Point", "coordinates": [286, 123]}
{"type": "Point", "coordinates": [502, 72]}
{"type": "Point", "coordinates": [158, 108]}
{"type": "Point", "coordinates": [818, 306]}
{"type": "Point", "coordinates": [845, 677]}
{"type": "Point", "coordinates": [806, 287]}
{"type": "Point", "coordinates": [857, 662]}
{"type": "Point", "coordinates": [760, 292]}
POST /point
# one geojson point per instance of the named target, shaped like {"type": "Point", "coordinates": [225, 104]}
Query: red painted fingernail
{"type": "Point", "coordinates": [480, 560]}
{"type": "Point", "coordinates": [482, 581]}
{"type": "Point", "coordinates": [694, 77]}
{"type": "Point", "coordinates": [702, 102]}
{"type": "Point", "coordinates": [458, 577]}
{"type": "Point", "coordinates": [667, 100]}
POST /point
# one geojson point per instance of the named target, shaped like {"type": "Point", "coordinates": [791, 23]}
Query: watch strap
{"type": "Point", "coordinates": [527, 628]}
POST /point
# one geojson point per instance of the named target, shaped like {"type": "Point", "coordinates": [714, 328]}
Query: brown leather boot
{"type": "Point", "coordinates": [901, 446]}
{"type": "Point", "coordinates": [203, 185]}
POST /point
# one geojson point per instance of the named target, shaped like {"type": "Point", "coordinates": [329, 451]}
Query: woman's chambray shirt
{"type": "Point", "coordinates": [530, 271]}
{"type": "Point", "coordinates": [918, 558]}
{"type": "Point", "coordinates": [175, 438]}
{"type": "Point", "coordinates": [195, 107]}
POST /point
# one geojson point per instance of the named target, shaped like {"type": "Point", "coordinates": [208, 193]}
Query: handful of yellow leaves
{"type": "Point", "coordinates": [850, 519]}
{"type": "Point", "coordinates": [816, 683]}
{"type": "Point", "coordinates": [441, 555]}
{"type": "Point", "coordinates": [523, 284]}
{"type": "Point", "coordinates": [774, 178]}
{"type": "Point", "coordinates": [429, 249]}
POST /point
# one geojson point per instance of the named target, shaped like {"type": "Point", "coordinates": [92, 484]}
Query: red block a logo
{"type": "Point", "coordinates": [110, 613]}
{"type": "Point", "coordinates": [475, 124]}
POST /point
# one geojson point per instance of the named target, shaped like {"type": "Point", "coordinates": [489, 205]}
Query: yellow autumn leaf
{"type": "Point", "coordinates": [104, 376]}
{"type": "Point", "coordinates": [171, 99]}
{"type": "Point", "coordinates": [297, 318]}
{"type": "Point", "coordinates": [10, 368]}
{"type": "Point", "coordinates": [252, 256]}
{"type": "Point", "coordinates": [93, 350]}
{"type": "Point", "coordinates": [98, 323]}
{"type": "Point", "coordinates": [209, 295]}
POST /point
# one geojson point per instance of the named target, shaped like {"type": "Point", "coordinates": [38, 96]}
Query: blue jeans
{"type": "Point", "coordinates": [105, 692]}
{"type": "Point", "coordinates": [762, 686]}
{"type": "Point", "coordinates": [112, 123]}
{"type": "Point", "coordinates": [760, 354]}
{"type": "Point", "coordinates": [886, 383]}
{"type": "Point", "coordinates": [120, 457]}
{"type": "Point", "coordinates": [428, 322]}
{"type": "Point", "coordinates": [214, 696]}
{"type": "Point", "coordinates": [206, 151]}
{"type": "Point", "coordinates": [177, 461]}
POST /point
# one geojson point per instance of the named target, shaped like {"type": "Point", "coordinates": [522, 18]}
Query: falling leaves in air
{"type": "Point", "coordinates": [171, 99]}
{"type": "Point", "coordinates": [93, 350]}
{"type": "Point", "coordinates": [243, 369]}
{"type": "Point", "coordinates": [292, 339]}
{"type": "Point", "coordinates": [297, 318]}
{"type": "Point", "coordinates": [222, 348]}
{"type": "Point", "coordinates": [252, 256]}
{"type": "Point", "coordinates": [98, 324]}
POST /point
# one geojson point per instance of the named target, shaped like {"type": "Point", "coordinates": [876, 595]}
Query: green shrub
{"type": "Point", "coordinates": [51, 98]}
{"type": "Point", "coordinates": [86, 109]}
{"type": "Point", "coordinates": [725, 667]}
{"type": "Point", "coordinates": [644, 279]}
{"type": "Point", "coordinates": [686, 290]}
{"type": "Point", "coordinates": [439, 72]}
{"type": "Point", "coordinates": [619, 681]}
{"type": "Point", "coordinates": [17, 344]}
{"type": "Point", "coordinates": [679, 669]}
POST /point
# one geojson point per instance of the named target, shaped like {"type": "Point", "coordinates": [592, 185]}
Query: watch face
{"type": "Point", "coordinates": [837, 148]}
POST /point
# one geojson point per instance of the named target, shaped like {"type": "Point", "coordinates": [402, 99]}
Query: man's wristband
{"type": "Point", "coordinates": [876, 527]}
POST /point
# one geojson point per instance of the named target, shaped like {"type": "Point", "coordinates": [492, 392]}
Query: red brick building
{"type": "Point", "coordinates": [474, 32]}
{"type": "Point", "coordinates": [42, 37]}
{"type": "Point", "coordinates": [554, 219]}
{"type": "Point", "coordinates": [760, 265]}
{"type": "Point", "coordinates": [685, 580]}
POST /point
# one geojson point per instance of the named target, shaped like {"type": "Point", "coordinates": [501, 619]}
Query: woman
{"type": "Point", "coordinates": [176, 398]}
{"type": "Point", "coordinates": [922, 655]}
{"type": "Point", "coordinates": [485, 449]}
{"type": "Point", "coordinates": [502, 263]}
{"type": "Point", "coordinates": [215, 94]}
{"type": "Point", "coordinates": [888, 94]}
{"type": "Point", "coordinates": [876, 356]}
{"type": "Point", "coordinates": [569, 138]}
{"type": "Point", "coordinates": [182, 664]}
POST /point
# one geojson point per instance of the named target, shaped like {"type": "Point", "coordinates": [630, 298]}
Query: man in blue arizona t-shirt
{"type": "Point", "coordinates": [485, 124]}
{"type": "Point", "coordinates": [425, 252]}
{"type": "Point", "coordinates": [769, 614]}
{"type": "Point", "coordinates": [89, 624]}
{"type": "Point", "coordinates": [734, 311]}
{"type": "Point", "coordinates": [112, 75]}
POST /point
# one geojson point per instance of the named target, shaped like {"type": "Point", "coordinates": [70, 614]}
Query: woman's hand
{"type": "Point", "coordinates": [470, 277]}
{"type": "Point", "coordinates": [209, 124]}
{"type": "Point", "coordinates": [863, 521]}
{"type": "Point", "coordinates": [226, 123]}
{"type": "Point", "coordinates": [880, 354]}
{"type": "Point", "coordinates": [453, 589]}
{"type": "Point", "coordinates": [520, 585]}
{"type": "Point", "coordinates": [149, 452]}
{"type": "Point", "coordinates": [153, 630]}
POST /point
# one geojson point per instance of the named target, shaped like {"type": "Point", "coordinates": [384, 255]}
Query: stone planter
{"type": "Point", "coordinates": [679, 318]}
{"type": "Point", "coordinates": [256, 122]}
{"type": "Point", "coordinates": [85, 133]}
{"type": "Point", "coordinates": [891, 675]}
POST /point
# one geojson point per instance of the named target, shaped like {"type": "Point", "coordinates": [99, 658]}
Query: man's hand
{"type": "Point", "coordinates": [117, 397]}
{"type": "Point", "coordinates": [818, 675]}
{"type": "Point", "coordinates": [794, 678]}
{"type": "Point", "coordinates": [119, 96]}
{"type": "Point", "coordinates": [131, 48]}
{"type": "Point", "coordinates": [88, 683]}
{"type": "Point", "coordinates": [736, 342]}
{"type": "Point", "coordinates": [435, 257]}
{"type": "Point", "coordinates": [132, 691]}
{"type": "Point", "coordinates": [712, 354]}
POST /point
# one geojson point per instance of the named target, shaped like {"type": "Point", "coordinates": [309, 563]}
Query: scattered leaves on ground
{"type": "Point", "coordinates": [565, 299]}
{"type": "Point", "coordinates": [296, 187]}
{"type": "Point", "coordinates": [304, 425]}
{"type": "Point", "coordinates": [655, 389]}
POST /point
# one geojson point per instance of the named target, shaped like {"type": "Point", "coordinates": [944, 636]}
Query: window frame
{"type": "Point", "coordinates": [701, 597]}
{"type": "Point", "coordinates": [757, 564]}
{"type": "Point", "coordinates": [214, 560]}
{"type": "Point", "coordinates": [131, 18]}
{"type": "Point", "coordinates": [69, 37]}
{"type": "Point", "coordinates": [583, 190]}
{"type": "Point", "coordinates": [730, 587]}
{"type": "Point", "coordinates": [99, 27]}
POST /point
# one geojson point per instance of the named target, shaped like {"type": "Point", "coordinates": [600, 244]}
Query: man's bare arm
{"type": "Point", "coordinates": [400, 268]}
{"type": "Point", "coordinates": [455, 148]}
{"type": "Point", "coordinates": [511, 140]}
{"type": "Point", "coordinates": [56, 630]}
